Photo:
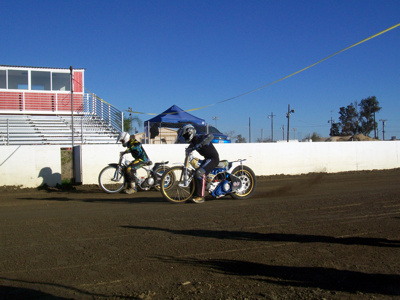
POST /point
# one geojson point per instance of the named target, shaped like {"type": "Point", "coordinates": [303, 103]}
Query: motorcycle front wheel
{"type": "Point", "coordinates": [248, 179]}
{"type": "Point", "coordinates": [111, 180]}
{"type": "Point", "coordinates": [173, 188]}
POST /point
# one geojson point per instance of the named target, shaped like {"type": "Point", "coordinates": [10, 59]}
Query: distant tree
{"type": "Point", "coordinates": [349, 119]}
{"type": "Point", "coordinates": [368, 108]}
{"type": "Point", "coordinates": [240, 139]}
{"type": "Point", "coordinates": [335, 129]}
{"type": "Point", "coordinates": [264, 140]}
{"type": "Point", "coordinates": [231, 134]}
{"type": "Point", "coordinates": [128, 124]}
{"type": "Point", "coordinates": [315, 137]}
{"type": "Point", "coordinates": [357, 118]}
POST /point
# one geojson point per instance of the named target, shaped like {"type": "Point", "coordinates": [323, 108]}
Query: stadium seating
{"type": "Point", "coordinates": [21, 129]}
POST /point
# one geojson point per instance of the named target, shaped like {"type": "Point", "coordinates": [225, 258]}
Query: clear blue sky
{"type": "Point", "coordinates": [150, 55]}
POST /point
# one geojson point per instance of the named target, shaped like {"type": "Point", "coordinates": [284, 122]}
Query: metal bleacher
{"type": "Point", "coordinates": [54, 130]}
{"type": "Point", "coordinates": [94, 122]}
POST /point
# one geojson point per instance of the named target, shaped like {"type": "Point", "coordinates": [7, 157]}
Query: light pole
{"type": "Point", "coordinates": [288, 117]}
{"type": "Point", "coordinates": [72, 104]}
{"type": "Point", "coordinates": [271, 116]}
{"type": "Point", "coordinates": [130, 117]}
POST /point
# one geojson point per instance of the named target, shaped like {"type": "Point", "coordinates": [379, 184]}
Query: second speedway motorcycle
{"type": "Point", "coordinates": [112, 178]}
{"type": "Point", "coordinates": [228, 178]}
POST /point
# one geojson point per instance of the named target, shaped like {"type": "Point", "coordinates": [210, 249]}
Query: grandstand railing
{"type": "Point", "coordinates": [92, 105]}
{"type": "Point", "coordinates": [91, 116]}
{"type": "Point", "coordinates": [28, 102]}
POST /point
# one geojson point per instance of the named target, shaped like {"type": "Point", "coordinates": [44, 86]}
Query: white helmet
{"type": "Point", "coordinates": [123, 138]}
{"type": "Point", "coordinates": [187, 132]}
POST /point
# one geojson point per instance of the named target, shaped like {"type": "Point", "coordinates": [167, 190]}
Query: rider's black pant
{"type": "Point", "coordinates": [131, 171]}
{"type": "Point", "coordinates": [200, 176]}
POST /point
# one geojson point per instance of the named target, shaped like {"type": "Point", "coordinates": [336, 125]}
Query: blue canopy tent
{"type": "Point", "coordinates": [174, 114]}
{"type": "Point", "coordinates": [173, 117]}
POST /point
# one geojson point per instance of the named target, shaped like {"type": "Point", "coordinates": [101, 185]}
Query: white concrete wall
{"type": "Point", "coordinates": [30, 166]}
{"type": "Point", "coordinates": [267, 158]}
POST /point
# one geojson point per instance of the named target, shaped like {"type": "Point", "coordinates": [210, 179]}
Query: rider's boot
{"type": "Point", "coordinates": [198, 200]}
{"type": "Point", "coordinates": [130, 189]}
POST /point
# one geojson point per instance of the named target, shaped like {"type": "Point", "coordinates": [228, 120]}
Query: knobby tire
{"type": "Point", "coordinates": [249, 182]}
{"type": "Point", "coordinates": [107, 184]}
{"type": "Point", "coordinates": [172, 187]}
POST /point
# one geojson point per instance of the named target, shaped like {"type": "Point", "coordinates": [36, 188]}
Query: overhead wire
{"type": "Point", "coordinates": [271, 83]}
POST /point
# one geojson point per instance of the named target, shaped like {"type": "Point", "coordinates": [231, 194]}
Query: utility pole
{"type": "Point", "coordinates": [294, 133]}
{"type": "Point", "coordinates": [383, 128]}
{"type": "Point", "coordinates": [283, 132]}
{"type": "Point", "coordinates": [215, 119]}
{"type": "Point", "coordinates": [249, 130]}
{"type": "Point", "coordinates": [331, 121]}
{"type": "Point", "coordinates": [288, 117]}
{"type": "Point", "coordinates": [374, 123]}
{"type": "Point", "coordinates": [271, 116]}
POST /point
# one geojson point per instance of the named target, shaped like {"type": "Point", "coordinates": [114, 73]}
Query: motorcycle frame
{"type": "Point", "coordinates": [123, 163]}
{"type": "Point", "coordinates": [187, 166]}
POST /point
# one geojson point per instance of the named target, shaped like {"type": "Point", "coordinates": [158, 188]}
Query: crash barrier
{"type": "Point", "coordinates": [32, 166]}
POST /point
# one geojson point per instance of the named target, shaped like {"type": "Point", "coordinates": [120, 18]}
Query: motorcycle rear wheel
{"type": "Point", "coordinates": [172, 186]}
{"type": "Point", "coordinates": [249, 182]}
{"type": "Point", "coordinates": [107, 182]}
{"type": "Point", "coordinates": [161, 170]}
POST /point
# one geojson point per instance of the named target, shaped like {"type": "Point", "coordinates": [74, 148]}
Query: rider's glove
{"type": "Point", "coordinates": [189, 149]}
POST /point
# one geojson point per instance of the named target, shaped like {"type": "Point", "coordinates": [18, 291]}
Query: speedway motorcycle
{"type": "Point", "coordinates": [113, 177]}
{"type": "Point", "coordinates": [228, 178]}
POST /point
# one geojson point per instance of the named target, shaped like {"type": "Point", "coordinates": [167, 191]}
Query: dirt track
{"type": "Point", "coordinates": [320, 236]}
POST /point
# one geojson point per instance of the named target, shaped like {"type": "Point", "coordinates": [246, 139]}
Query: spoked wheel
{"type": "Point", "coordinates": [160, 171]}
{"type": "Point", "coordinates": [248, 179]}
{"type": "Point", "coordinates": [173, 187]}
{"type": "Point", "coordinates": [111, 180]}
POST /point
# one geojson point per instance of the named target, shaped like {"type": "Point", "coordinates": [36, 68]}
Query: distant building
{"type": "Point", "coordinates": [36, 90]}
{"type": "Point", "coordinates": [165, 136]}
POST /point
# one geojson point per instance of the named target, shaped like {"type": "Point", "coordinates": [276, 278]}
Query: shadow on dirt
{"type": "Point", "coordinates": [115, 199]}
{"type": "Point", "coordinates": [310, 277]}
{"type": "Point", "coordinates": [81, 193]}
{"type": "Point", "coordinates": [10, 292]}
{"type": "Point", "coordinates": [277, 237]}
{"type": "Point", "coordinates": [69, 188]}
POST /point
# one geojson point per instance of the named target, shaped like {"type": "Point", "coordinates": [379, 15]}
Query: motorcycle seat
{"type": "Point", "coordinates": [222, 164]}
